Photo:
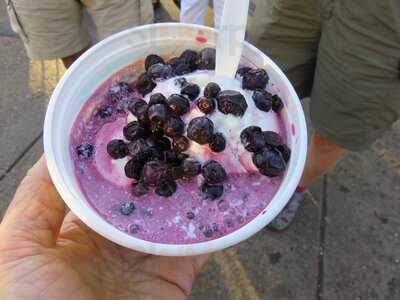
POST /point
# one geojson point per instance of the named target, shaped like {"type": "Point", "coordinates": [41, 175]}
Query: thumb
{"type": "Point", "coordinates": [37, 211]}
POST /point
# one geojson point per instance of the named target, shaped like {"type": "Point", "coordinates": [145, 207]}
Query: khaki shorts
{"type": "Point", "coordinates": [344, 54]}
{"type": "Point", "coordinates": [53, 29]}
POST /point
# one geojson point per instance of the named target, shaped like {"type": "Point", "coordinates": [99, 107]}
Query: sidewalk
{"type": "Point", "coordinates": [345, 243]}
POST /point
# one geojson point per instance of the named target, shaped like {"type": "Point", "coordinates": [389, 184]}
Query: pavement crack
{"type": "Point", "coordinates": [322, 232]}
{"type": "Point", "coordinates": [21, 156]}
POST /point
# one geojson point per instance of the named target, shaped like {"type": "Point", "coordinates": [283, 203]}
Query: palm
{"type": "Point", "coordinates": [80, 264]}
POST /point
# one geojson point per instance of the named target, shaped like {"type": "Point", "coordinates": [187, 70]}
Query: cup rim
{"type": "Point", "coordinates": [93, 220]}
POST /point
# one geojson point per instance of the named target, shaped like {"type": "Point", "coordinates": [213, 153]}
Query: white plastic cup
{"type": "Point", "coordinates": [120, 50]}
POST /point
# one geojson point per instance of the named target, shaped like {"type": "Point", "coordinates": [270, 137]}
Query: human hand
{"type": "Point", "coordinates": [47, 255]}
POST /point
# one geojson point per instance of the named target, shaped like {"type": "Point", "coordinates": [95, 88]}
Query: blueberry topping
{"type": "Point", "coordinates": [157, 129]}
{"type": "Point", "coordinates": [84, 150]}
{"type": "Point", "coordinates": [190, 215]}
{"type": "Point", "coordinates": [139, 110]}
{"type": "Point", "coordinates": [191, 90]}
{"type": "Point", "coordinates": [285, 151]}
{"type": "Point", "coordinates": [191, 168]}
{"type": "Point", "coordinates": [215, 227]}
{"type": "Point", "coordinates": [218, 143]}
{"type": "Point", "coordinates": [139, 149]}
{"type": "Point", "coordinates": [105, 111]}
{"type": "Point", "coordinates": [133, 169]}
{"type": "Point", "coordinates": [158, 113]}
{"type": "Point", "coordinates": [189, 57]}
{"type": "Point", "coordinates": [206, 105]}
{"type": "Point", "coordinates": [134, 130]}
{"type": "Point", "coordinates": [255, 79]}
{"type": "Point", "coordinates": [232, 102]}
{"type": "Point", "coordinates": [117, 149]}
{"type": "Point", "coordinates": [119, 91]}
{"type": "Point", "coordinates": [181, 144]}
{"type": "Point", "coordinates": [152, 59]}
{"type": "Point", "coordinates": [166, 188]}
{"type": "Point", "coordinates": [154, 172]}
{"type": "Point", "coordinates": [212, 192]}
{"type": "Point", "coordinates": [127, 208]}
{"type": "Point", "coordinates": [181, 82]}
{"type": "Point", "coordinates": [213, 172]}
{"type": "Point", "coordinates": [211, 90]}
{"type": "Point", "coordinates": [262, 100]}
{"type": "Point", "coordinates": [243, 70]}
{"type": "Point", "coordinates": [250, 138]}
{"type": "Point", "coordinates": [162, 144]}
{"type": "Point", "coordinates": [159, 71]}
{"type": "Point", "coordinates": [140, 189]}
{"type": "Point", "coordinates": [206, 59]}
{"type": "Point", "coordinates": [134, 228]}
{"type": "Point", "coordinates": [174, 158]}
{"type": "Point", "coordinates": [176, 172]}
{"type": "Point", "coordinates": [272, 138]}
{"type": "Point", "coordinates": [256, 142]}
{"type": "Point", "coordinates": [208, 232]}
{"type": "Point", "coordinates": [157, 98]}
{"type": "Point", "coordinates": [200, 130]}
{"type": "Point", "coordinates": [269, 162]}
{"type": "Point", "coordinates": [277, 104]}
{"type": "Point", "coordinates": [179, 67]}
{"type": "Point", "coordinates": [174, 127]}
{"type": "Point", "coordinates": [223, 206]}
{"type": "Point", "coordinates": [178, 104]}
{"type": "Point", "coordinates": [228, 221]}
{"type": "Point", "coordinates": [144, 84]}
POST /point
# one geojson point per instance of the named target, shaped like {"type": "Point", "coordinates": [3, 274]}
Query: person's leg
{"type": "Point", "coordinates": [193, 11]}
{"type": "Point", "coordinates": [49, 29]}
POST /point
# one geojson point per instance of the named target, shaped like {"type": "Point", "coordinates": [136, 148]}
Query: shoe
{"type": "Point", "coordinates": [287, 215]}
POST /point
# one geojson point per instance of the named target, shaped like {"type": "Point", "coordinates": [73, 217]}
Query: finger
{"type": "Point", "coordinates": [37, 210]}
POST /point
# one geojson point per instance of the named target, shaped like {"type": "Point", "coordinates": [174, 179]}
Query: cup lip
{"type": "Point", "coordinates": [93, 220]}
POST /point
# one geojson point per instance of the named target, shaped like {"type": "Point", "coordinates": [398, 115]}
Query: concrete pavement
{"type": "Point", "coordinates": [345, 243]}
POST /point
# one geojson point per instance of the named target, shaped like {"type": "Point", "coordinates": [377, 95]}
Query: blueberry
{"type": "Point", "coordinates": [158, 113]}
{"type": "Point", "coordinates": [223, 206]}
{"type": "Point", "coordinates": [191, 90]}
{"type": "Point", "coordinates": [161, 144]}
{"type": "Point", "coordinates": [127, 208]}
{"type": "Point", "coordinates": [174, 158]}
{"type": "Point", "coordinates": [152, 59]}
{"type": "Point", "coordinates": [144, 84]}
{"type": "Point", "coordinates": [190, 215]}
{"type": "Point", "coordinates": [269, 162]}
{"type": "Point", "coordinates": [119, 91]}
{"type": "Point", "coordinates": [105, 111]}
{"type": "Point", "coordinates": [272, 138]}
{"type": "Point", "coordinates": [139, 149]}
{"type": "Point", "coordinates": [139, 189]}
{"type": "Point", "coordinates": [174, 127]}
{"type": "Point", "coordinates": [213, 172]}
{"type": "Point", "coordinates": [178, 104]}
{"type": "Point", "coordinates": [232, 102]}
{"type": "Point", "coordinates": [228, 221]}
{"type": "Point", "coordinates": [176, 172]}
{"type": "Point", "coordinates": [206, 59]}
{"type": "Point", "coordinates": [134, 130]}
{"type": "Point", "coordinates": [285, 151]}
{"type": "Point", "coordinates": [189, 57]}
{"type": "Point", "coordinates": [139, 109]}
{"type": "Point", "coordinates": [181, 144]}
{"type": "Point", "coordinates": [215, 227]}
{"type": "Point", "coordinates": [208, 232]}
{"type": "Point", "coordinates": [255, 79]}
{"type": "Point", "coordinates": [159, 71]}
{"type": "Point", "coordinates": [211, 90]}
{"type": "Point", "coordinates": [154, 172]}
{"type": "Point", "coordinates": [218, 143]}
{"type": "Point", "coordinates": [277, 104]}
{"type": "Point", "coordinates": [246, 136]}
{"type": "Point", "coordinates": [212, 192]}
{"type": "Point", "coordinates": [157, 98]}
{"type": "Point", "coordinates": [134, 228]}
{"type": "Point", "coordinates": [166, 188]}
{"type": "Point", "coordinates": [200, 130]}
{"type": "Point", "coordinates": [181, 82]}
{"type": "Point", "coordinates": [133, 169]}
{"type": "Point", "coordinates": [262, 100]}
{"type": "Point", "coordinates": [157, 129]}
{"type": "Point", "coordinates": [243, 70]}
{"type": "Point", "coordinates": [174, 62]}
{"type": "Point", "coordinates": [191, 168]}
{"type": "Point", "coordinates": [181, 68]}
{"type": "Point", "coordinates": [206, 105]}
{"type": "Point", "coordinates": [84, 150]}
{"type": "Point", "coordinates": [117, 149]}
{"type": "Point", "coordinates": [256, 142]}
